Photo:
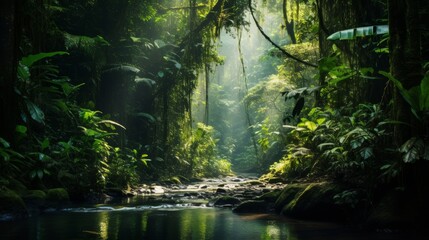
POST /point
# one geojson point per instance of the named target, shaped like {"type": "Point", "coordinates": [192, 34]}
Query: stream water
{"type": "Point", "coordinates": [175, 222]}
{"type": "Point", "coordinates": [158, 217]}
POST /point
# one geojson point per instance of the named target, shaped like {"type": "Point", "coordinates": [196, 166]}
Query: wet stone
{"type": "Point", "coordinates": [221, 190]}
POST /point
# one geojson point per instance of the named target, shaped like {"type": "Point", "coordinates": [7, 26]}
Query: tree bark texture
{"type": "Point", "coordinates": [9, 36]}
{"type": "Point", "coordinates": [405, 60]}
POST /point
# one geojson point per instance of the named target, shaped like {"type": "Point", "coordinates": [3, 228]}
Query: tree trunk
{"type": "Point", "coordinates": [290, 26]}
{"type": "Point", "coordinates": [405, 61]}
{"type": "Point", "coordinates": [9, 43]}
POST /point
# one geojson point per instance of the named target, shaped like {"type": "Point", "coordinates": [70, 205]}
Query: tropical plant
{"type": "Point", "coordinates": [353, 33]}
{"type": "Point", "coordinates": [341, 143]}
{"type": "Point", "coordinates": [417, 147]}
{"type": "Point", "coordinates": [198, 156]}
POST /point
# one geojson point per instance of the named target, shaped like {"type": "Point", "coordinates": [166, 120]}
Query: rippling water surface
{"type": "Point", "coordinates": [181, 221]}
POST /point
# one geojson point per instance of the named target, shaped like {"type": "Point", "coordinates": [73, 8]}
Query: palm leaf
{"type": "Point", "coordinates": [353, 33]}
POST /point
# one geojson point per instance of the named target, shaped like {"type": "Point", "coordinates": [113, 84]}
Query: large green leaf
{"type": "Point", "coordinates": [31, 59]}
{"type": "Point", "coordinates": [35, 112]}
{"type": "Point", "coordinates": [353, 33]}
{"type": "Point", "coordinates": [367, 153]}
{"type": "Point", "coordinates": [424, 94]}
{"type": "Point", "coordinates": [407, 94]}
{"type": "Point", "coordinates": [412, 149]}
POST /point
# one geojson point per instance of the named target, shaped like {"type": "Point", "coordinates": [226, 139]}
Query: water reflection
{"type": "Point", "coordinates": [173, 223]}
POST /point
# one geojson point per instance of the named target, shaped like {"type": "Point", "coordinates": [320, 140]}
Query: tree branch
{"type": "Point", "coordinates": [213, 15]}
{"type": "Point", "coordinates": [274, 44]}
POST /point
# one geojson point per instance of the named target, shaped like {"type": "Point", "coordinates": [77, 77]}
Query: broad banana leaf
{"type": "Point", "coordinates": [353, 33]}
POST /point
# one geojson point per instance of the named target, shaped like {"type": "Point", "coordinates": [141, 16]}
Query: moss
{"type": "Point", "coordinates": [288, 194]}
{"type": "Point", "coordinates": [251, 206]}
{"type": "Point", "coordinates": [12, 204]}
{"type": "Point", "coordinates": [254, 182]}
{"type": "Point", "coordinates": [226, 200]}
{"type": "Point", "coordinates": [35, 195]}
{"type": "Point", "coordinates": [270, 196]}
{"type": "Point", "coordinates": [315, 202]}
{"type": "Point", "coordinates": [57, 195]}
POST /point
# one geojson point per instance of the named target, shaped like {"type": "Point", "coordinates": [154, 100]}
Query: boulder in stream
{"type": "Point", "coordinates": [314, 202]}
{"type": "Point", "coordinates": [226, 201]}
{"type": "Point", "coordinates": [11, 205]}
{"type": "Point", "coordinates": [252, 206]}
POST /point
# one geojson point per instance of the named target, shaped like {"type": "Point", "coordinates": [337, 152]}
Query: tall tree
{"type": "Point", "coordinates": [406, 57]}
{"type": "Point", "coordinates": [9, 43]}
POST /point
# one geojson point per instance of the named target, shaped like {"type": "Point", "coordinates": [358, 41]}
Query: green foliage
{"type": "Point", "coordinates": [354, 33]}
{"type": "Point", "coordinates": [417, 147]}
{"type": "Point", "coordinates": [12, 163]}
{"type": "Point", "coordinates": [124, 167]}
{"type": "Point", "coordinates": [417, 97]}
{"type": "Point", "coordinates": [342, 143]}
{"type": "Point", "coordinates": [28, 61]}
{"type": "Point", "coordinates": [198, 155]}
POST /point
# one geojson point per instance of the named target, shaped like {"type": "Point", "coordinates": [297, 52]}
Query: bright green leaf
{"type": "Point", "coordinates": [21, 129]}
{"type": "Point", "coordinates": [45, 144]}
{"type": "Point", "coordinates": [31, 59]}
{"type": "Point", "coordinates": [311, 125]}
{"type": "Point", "coordinates": [424, 94]}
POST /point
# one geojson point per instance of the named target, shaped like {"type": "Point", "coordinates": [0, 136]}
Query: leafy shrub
{"type": "Point", "coordinates": [344, 144]}
{"type": "Point", "coordinates": [197, 157]}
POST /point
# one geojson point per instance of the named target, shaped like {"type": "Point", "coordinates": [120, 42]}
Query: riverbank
{"type": "Point", "coordinates": [320, 201]}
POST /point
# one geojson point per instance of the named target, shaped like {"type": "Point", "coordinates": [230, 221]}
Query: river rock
{"type": "Point", "coordinates": [270, 197]}
{"type": "Point", "coordinates": [115, 192]}
{"type": "Point", "coordinates": [221, 190]}
{"type": "Point", "coordinates": [35, 197]}
{"type": "Point", "coordinates": [288, 194]}
{"type": "Point", "coordinates": [251, 206]}
{"type": "Point", "coordinates": [226, 201]}
{"type": "Point", "coordinates": [57, 195]}
{"type": "Point", "coordinates": [157, 189]}
{"type": "Point", "coordinates": [11, 205]}
{"type": "Point", "coordinates": [315, 202]}
{"type": "Point", "coordinates": [144, 190]}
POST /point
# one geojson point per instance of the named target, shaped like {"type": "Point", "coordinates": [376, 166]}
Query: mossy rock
{"type": "Point", "coordinates": [115, 192]}
{"type": "Point", "coordinates": [11, 205]}
{"type": "Point", "coordinates": [16, 186]}
{"type": "Point", "coordinates": [315, 202]}
{"type": "Point", "coordinates": [275, 180]}
{"type": "Point", "coordinates": [270, 197]}
{"type": "Point", "coordinates": [57, 195]}
{"type": "Point", "coordinates": [254, 182]}
{"type": "Point", "coordinates": [251, 206]}
{"type": "Point", "coordinates": [288, 194]}
{"type": "Point", "coordinates": [226, 201]}
{"type": "Point", "coordinates": [35, 195]}
{"type": "Point", "coordinates": [34, 198]}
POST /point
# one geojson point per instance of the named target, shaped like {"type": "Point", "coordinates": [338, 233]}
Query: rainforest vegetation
{"type": "Point", "coordinates": [97, 94]}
